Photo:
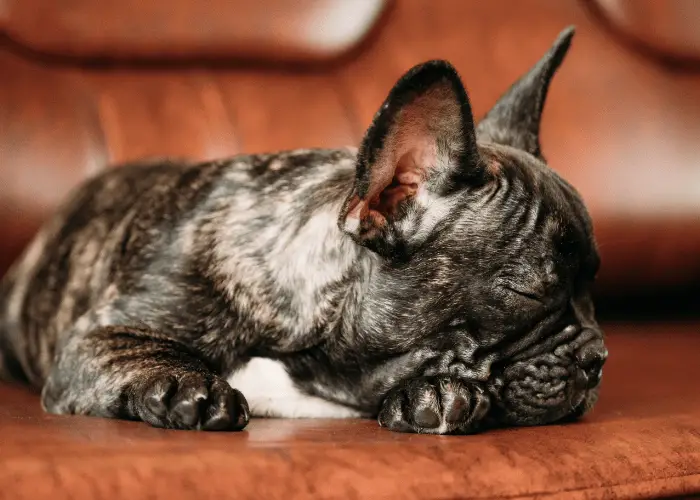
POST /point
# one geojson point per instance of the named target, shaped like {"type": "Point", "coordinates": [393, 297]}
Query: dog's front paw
{"type": "Point", "coordinates": [434, 405]}
{"type": "Point", "coordinates": [191, 401]}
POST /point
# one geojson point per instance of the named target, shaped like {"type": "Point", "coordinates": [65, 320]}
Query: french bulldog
{"type": "Point", "coordinates": [436, 278]}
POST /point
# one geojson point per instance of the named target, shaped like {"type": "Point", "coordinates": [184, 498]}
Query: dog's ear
{"type": "Point", "coordinates": [420, 146]}
{"type": "Point", "coordinates": [515, 119]}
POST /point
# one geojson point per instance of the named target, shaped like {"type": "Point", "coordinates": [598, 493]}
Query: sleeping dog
{"type": "Point", "coordinates": [436, 278]}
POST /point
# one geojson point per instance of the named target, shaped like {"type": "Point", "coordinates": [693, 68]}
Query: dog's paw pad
{"type": "Point", "coordinates": [193, 401]}
{"type": "Point", "coordinates": [157, 397]}
{"type": "Point", "coordinates": [438, 405]}
{"type": "Point", "coordinates": [185, 405]}
{"type": "Point", "coordinates": [228, 409]}
{"type": "Point", "coordinates": [426, 418]}
{"type": "Point", "coordinates": [458, 411]}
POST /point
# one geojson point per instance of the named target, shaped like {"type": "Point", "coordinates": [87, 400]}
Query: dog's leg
{"type": "Point", "coordinates": [134, 373]}
{"type": "Point", "coordinates": [435, 405]}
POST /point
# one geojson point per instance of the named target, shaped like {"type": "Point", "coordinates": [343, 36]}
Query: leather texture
{"type": "Point", "coordinates": [621, 128]}
{"type": "Point", "coordinates": [88, 84]}
{"type": "Point", "coordinates": [641, 441]}
{"type": "Point", "coordinates": [109, 30]}
{"type": "Point", "coordinates": [666, 30]}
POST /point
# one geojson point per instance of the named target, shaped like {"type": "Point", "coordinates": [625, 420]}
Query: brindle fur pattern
{"type": "Point", "coordinates": [463, 306]}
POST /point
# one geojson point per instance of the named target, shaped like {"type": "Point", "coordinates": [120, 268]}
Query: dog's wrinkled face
{"type": "Point", "coordinates": [524, 293]}
{"type": "Point", "coordinates": [485, 246]}
{"type": "Point", "coordinates": [536, 309]}
{"type": "Point", "coordinates": [531, 296]}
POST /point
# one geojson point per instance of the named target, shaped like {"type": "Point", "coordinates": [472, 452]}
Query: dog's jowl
{"type": "Point", "coordinates": [436, 278]}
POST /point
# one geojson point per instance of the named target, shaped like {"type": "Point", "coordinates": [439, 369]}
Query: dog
{"type": "Point", "coordinates": [437, 278]}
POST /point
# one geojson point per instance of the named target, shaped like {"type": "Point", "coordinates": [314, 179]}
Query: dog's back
{"type": "Point", "coordinates": [55, 280]}
{"type": "Point", "coordinates": [10, 367]}
{"type": "Point", "coordinates": [4, 350]}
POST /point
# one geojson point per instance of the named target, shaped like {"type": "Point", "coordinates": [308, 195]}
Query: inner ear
{"type": "Point", "coordinates": [403, 185]}
{"type": "Point", "coordinates": [372, 212]}
{"type": "Point", "coordinates": [423, 137]}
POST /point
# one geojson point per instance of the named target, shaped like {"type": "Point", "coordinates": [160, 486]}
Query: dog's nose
{"type": "Point", "coordinates": [591, 358]}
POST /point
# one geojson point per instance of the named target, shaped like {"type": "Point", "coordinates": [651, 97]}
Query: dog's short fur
{"type": "Point", "coordinates": [437, 282]}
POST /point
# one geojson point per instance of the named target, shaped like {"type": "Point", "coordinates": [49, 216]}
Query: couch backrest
{"type": "Point", "coordinates": [621, 127]}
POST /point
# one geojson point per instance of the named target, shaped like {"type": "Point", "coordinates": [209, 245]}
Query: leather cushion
{"type": "Point", "coordinates": [620, 128]}
{"type": "Point", "coordinates": [641, 441]}
{"type": "Point", "coordinates": [273, 30]}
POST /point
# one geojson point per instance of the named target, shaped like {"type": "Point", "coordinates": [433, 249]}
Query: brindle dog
{"type": "Point", "coordinates": [437, 278]}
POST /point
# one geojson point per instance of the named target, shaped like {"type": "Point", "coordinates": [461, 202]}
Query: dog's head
{"type": "Point", "coordinates": [481, 243]}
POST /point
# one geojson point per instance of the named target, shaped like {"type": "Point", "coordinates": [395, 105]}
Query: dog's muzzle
{"type": "Point", "coordinates": [552, 386]}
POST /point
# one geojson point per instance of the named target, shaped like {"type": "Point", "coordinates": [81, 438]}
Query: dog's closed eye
{"type": "Point", "coordinates": [528, 294]}
{"type": "Point", "coordinates": [521, 291]}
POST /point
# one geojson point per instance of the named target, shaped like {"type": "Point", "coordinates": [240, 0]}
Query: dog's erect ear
{"type": "Point", "coordinates": [421, 145]}
{"type": "Point", "coordinates": [515, 119]}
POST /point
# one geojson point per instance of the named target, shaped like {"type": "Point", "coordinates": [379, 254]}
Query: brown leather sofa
{"type": "Point", "coordinates": [86, 84]}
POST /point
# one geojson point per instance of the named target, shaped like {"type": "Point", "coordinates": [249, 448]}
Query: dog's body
{"type": "Point", "coordinates": [218, 256]}
{"type": "Point", "coordinates": [436, 281]}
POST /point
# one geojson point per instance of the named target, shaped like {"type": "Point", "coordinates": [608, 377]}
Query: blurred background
{"type": "Point", "coordinates": [85, 84]}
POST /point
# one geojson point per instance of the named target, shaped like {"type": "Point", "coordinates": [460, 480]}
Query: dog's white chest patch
{"type": "Point", "coordinates": [270, 392]}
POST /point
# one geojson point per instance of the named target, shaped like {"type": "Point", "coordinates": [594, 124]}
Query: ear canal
{"type": "Point", "coordinates": [515, 119]}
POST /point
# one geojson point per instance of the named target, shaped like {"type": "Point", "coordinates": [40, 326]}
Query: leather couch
{"type": "Point", "coordinates": [85, 85]}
